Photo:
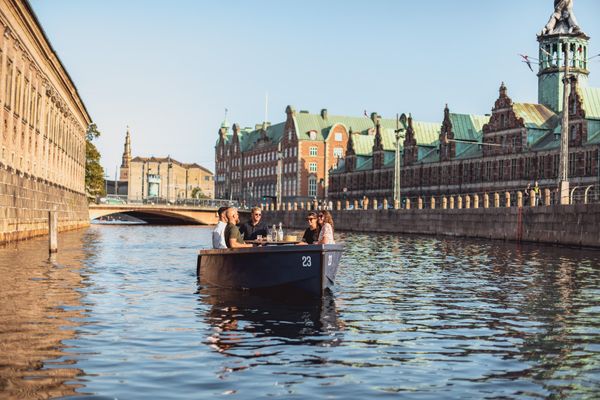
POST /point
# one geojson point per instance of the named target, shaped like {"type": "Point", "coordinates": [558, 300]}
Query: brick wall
{"type": "Point", "coordinates": [24, 206]}
{"type": "Point", "coordinates": [575, 225]}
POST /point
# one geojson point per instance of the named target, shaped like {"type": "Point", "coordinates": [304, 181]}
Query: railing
{"type": "Point", "coordinates": [208, 203]}
{"type": "Point", "coordinates": [507, 199]}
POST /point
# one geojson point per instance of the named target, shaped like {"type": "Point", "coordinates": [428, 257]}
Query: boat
{"type": "Point", "coordinates": [310, 269]}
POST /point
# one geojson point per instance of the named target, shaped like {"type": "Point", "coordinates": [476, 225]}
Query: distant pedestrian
{"type": "Point", "coordinates": [527, 194]}
{"type": "Point", "coordinates": [537, 191]}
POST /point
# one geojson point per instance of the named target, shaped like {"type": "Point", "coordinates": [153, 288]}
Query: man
{"type": "Point", "coordinates": [311, 234]}
{"type": "Point", "coordinates": [251, 229]}
{"type": "Point", "coordinates": [218, 235]}
{"type": "Point", "coordinates": [233, 237]}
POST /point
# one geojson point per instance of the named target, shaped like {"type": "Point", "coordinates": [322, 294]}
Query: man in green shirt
{"type": "Point", "coordinates": [233, 237]}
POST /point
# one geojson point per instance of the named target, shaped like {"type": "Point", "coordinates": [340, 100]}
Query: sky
{"type": "Point", "coordinates": [169, 69]}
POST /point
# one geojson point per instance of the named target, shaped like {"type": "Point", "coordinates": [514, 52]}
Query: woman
{"type": "Point", "coordinates": [326, 223]}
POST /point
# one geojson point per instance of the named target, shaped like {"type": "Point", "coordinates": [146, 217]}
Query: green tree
{"type": "Point", "coordinates": [94, 173]}
{"type": "Point", "coordinates": [198, 194]}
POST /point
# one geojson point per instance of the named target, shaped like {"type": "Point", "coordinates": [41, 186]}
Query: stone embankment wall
{"type": "Point", "coordinates": [573, 225]}
{"type": "Point", "coordinates": [25, 202]}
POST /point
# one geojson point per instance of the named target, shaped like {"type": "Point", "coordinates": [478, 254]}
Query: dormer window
{"type": "Point", "coordinates": [312, 135]}
{"type": "Point", "coordinates": [338, 136]}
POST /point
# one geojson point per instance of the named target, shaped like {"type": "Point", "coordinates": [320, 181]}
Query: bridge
{"type": "Point", "coordinates": [198, 213]}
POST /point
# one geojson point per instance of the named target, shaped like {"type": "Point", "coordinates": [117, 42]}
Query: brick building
{"type": "Point", "coordinates": [305, 147]}
{"type": "Point", "coordinates": [517, 144]}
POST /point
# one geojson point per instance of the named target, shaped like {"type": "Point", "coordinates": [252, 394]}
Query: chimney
{"type": "Point", "coordinates": [324, 113]}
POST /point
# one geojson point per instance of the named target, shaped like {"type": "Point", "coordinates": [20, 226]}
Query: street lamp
{"type": "Point", "coordinates": [563, 171]}
{"type": "Point", "coordinates": [398, 130]}
{"type": "Point", "coordinates": [279, 172]}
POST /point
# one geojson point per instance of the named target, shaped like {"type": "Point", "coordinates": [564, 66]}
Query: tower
{"type": "Point", "coordinates": [126, 159]}
{"type": "Point", "coordinates": [562, 33]}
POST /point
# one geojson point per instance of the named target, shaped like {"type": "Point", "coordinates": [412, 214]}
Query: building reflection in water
{"type": "Point", "coordinates": [40, 304]}
{"type": "Point", "coordinates": [256, 327]}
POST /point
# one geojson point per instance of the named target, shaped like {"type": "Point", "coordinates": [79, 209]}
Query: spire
{"type": "Point", "coordinates": [225, 123]}
{"type": "Point", "coordinates": [126, 160]}
{"type": "Point", "coordinates": [126, 150]}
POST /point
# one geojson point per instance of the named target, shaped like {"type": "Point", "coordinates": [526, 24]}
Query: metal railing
{"type": "Point", "coordinates": [208, 203]}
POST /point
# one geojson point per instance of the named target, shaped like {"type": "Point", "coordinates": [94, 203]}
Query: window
{"type": "Point", "coordinates": [312, 135]}
{"type": "Point", "coordinates": [338, 152]}
{"type": "Point", "coordinates": [338, 136]}
{"type": "Point", "coordinates": [312, 167]}
{"type": "Point", "coordinates": [312, 186]}
{"type": "Point", "coordinates": [313, 151]}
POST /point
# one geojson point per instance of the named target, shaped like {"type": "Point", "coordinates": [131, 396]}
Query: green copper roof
{"type": "Point", "coordinates": [535, 115]}
{"type": "Point", "coordinates": [305, 123]}
{"type": "Point", "coordinates": [248, 137]}
{"type": "Point", "coordinates": [593, 131]}
{"type": "Point", "coordinates": [364, 164]}
{"type": "Point", "coordinates": [468, 127]}
{"type": "Point", "coordinates": [363, 144]}
{"type": "Point", "coordinates": [591, 102]}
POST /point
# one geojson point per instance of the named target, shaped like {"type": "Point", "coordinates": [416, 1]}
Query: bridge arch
{"type": "Point", "coordinates": [159, 216]}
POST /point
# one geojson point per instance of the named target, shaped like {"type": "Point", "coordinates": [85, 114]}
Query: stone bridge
{"type": "Point", "coordinates": [160, 214]}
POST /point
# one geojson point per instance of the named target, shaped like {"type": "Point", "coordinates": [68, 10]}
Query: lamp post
{"type": "Point", "coordinates": [106, 176]}
{"type": "Point", "coordinates": [398, 130]}
{"type": "Point", "coordinates": [169, 166]}
{"type": "Point", "coordinates": [563, 169]}
{"type": "Point", "coordinates": [279, 171]}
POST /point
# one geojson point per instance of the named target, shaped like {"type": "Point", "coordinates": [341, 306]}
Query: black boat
{"type": "Point", "coordinates": [310, 269]}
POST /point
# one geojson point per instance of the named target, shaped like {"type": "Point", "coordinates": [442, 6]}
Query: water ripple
{"type": "Point", "coordinates": [118, 314]}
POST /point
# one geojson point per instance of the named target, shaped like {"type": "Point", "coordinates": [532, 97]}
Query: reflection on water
{"type": "Point", "coordinates": [245, 323]}
{"type": "Point", "coordinates": [40, 306]}
{"type": "Point", "coordinates": [119, 315]}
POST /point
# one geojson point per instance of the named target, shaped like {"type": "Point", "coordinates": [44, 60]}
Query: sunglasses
{"type": "Point", "coordinates": [310, 218]}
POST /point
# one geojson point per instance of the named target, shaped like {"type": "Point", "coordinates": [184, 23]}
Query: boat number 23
{"type": "Point", "coordinates": [306, 261]}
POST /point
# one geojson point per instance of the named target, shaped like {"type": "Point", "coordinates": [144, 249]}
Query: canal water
{"type": "Point", "coordinates": [118, 314]}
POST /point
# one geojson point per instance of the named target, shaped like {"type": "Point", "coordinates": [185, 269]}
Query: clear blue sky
{"type": "Point", "coordinates": [168, 69]}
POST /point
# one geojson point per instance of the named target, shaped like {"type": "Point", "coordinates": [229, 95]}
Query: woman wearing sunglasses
{"type": "Point", "coordinates": [326, 223]}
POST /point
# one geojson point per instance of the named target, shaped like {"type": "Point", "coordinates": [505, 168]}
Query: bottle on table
{"type": "Point", "coordinates": [274, 234]}
{"type": "Point", "coordinates": [280, 233]}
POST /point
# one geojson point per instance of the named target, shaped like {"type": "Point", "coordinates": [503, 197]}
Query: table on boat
{"type": "Point", "coordinates": [271, 243]}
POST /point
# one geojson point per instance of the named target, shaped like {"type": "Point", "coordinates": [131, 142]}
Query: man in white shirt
{"type": "Point", "coordinates": [218, 235]}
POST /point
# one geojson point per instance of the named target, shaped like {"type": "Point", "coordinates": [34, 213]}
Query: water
{"type": "Point", "coordinates": [118, 314]}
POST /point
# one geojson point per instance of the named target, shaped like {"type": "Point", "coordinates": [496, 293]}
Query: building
{"type": "Point", "coordinates": [292, 158]}
{"type": "Point", "coordinates": [517, 144]}
{"type": "Point", "coordinates": [161, 178]}
{"type": "Point", "coordinates": [43, 125]}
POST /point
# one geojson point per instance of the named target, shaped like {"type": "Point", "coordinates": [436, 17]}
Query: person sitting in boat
{"type": "Point", "coordinates": [311, 234]}
{"type": "Point", "coordinates": [255, 227]}
{"type": "Point", "coordinates": [326, 223]}
{"type": "Point", "coordinates": [218, 234]}
{"type": "Point", "coordinates": [233, 237]}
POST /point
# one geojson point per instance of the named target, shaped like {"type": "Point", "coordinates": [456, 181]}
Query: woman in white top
{"type": "Point", "coordinates": [326, 222]}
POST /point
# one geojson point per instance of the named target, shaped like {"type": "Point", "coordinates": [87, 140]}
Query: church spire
{"type": "Point", "coordinates": [126, 159]}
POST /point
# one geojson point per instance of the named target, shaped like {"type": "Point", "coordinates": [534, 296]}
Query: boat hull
{"type": "Point", "coordinates": [310, 269]}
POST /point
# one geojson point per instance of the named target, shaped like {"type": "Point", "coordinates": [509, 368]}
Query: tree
{"type": "Point", "coordinates": [198, 194]}
{"type": "Point", "coordinates": [94, 173]}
